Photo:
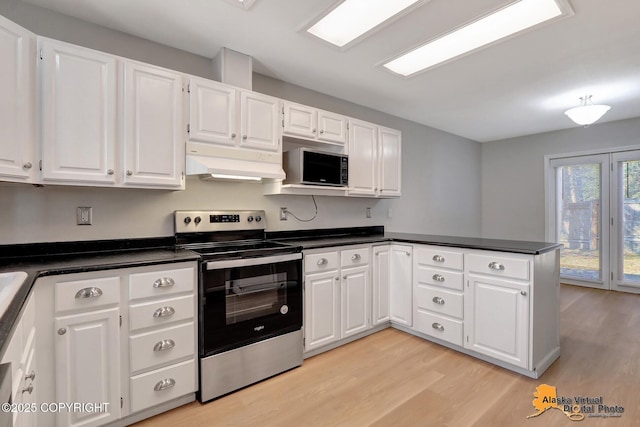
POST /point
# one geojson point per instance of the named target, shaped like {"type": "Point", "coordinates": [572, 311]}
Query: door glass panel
{"type": "Point", "coordinates": [631, 220]}
{"type": "Point", "coordinates": [579, 222]}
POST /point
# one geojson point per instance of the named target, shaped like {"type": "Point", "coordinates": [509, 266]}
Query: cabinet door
{"type": "Point", "coordinates": [497, 319]}
{"type": "Point", "coordinates": [259, 121]}
{"type": "Point", "coordinates": [17, 103]}
{"type": "Point", "coordinates": [299, 120]}
{"type": "Point", "coordinates": [153, 127]}
{"type": "Point", "coordinates": [321, 309]}
{"type": "Point", "coordinates": [78, 113]}
{"type": "Point", "coordinates": [400, 285]}
{"type": "Point", "coordinates": [332, 127]}
{"type": "Point", "coordinates": [362, 158]}
{"type": "Point", "coordinates": [390, 162]}
{"type": "Point", "coordinates": [380, 283]}
{"type": "Point", "coordinates": [87, 350]}
{"type": "Point", "coordinates": [356, 300]}
{"type": "Point", "coordinates": [212, 112]}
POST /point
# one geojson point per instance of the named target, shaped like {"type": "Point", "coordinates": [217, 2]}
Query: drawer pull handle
{"type": "Point", "coordinates": [322, 261]}
{"type": "Point", "coordinates": [496, 266]}
{"type": "Point", "coordinates": [88, 293]}
{"type": "Point", "coordinates": [438, 258]}
{"type": "Point", "coordinates": [437, 326]}
{"type": "Point", "coordinates": [438, 277]}
{"type": "Point", "coordinates": [28, 389]}
{"type": "Point", "coordinates": [356, 257]}
{"type": "Point", "coordinates": [164, 345]}
{"type": "Point", "coordinates": [438, 300]}
{"type": "Point", "coordinates": [164, 312]}
{"type": "Point", "coordinates": [164, 282]}
{"type": "Point", "coordinates": [164, 384]}
{"type": "Point", "coordinates": [31, 376]}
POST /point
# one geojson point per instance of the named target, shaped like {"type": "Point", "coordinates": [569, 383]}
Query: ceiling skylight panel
{"type": "Point", "coordinates": [503, 23]}
{"type": "Point", "coordinates": [353, 18]}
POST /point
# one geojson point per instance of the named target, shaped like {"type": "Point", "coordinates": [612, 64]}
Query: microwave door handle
{"type": "Point", "coordinates": [247, 262]}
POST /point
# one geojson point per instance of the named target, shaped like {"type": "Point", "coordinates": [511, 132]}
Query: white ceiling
{"type": "Point", "coordinates": [517, 87]}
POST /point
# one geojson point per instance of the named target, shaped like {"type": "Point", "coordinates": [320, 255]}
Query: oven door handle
{"type": "Point", "coordinates": [247, 262]}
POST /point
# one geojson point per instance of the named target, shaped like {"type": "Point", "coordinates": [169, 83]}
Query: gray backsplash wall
{"type": "Point", "coordinates": [441, 172]}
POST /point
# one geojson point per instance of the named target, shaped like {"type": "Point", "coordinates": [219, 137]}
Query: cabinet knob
{"type": "Point", "coordinates": [110, 172]}
{"type": "Point", "coordinates": [244, 137]}
{"type": "Point", "coordinates": [438, 300]}
{"type": "Point", "coordinates": [233, 135]}
{"type": "Point", "coordinates": [31, 376]}
{"type": "Point", "coordinates": [164, 384]}
{"type": "Point", "coordinates": [62, 331]}
{"type": "Point", "coordinates": [496, 266]}
{"type": "Point", "coordinates": [27, 165]}
{"type": "Point", "coordinates": [129, 173]}
{"type": "Point", "coordinates": [408, 253]}
{"type": "Point", "coordinates": [164, 282]}
{"type": "Point", "coordinates": [337, 278]}
{"type": "Point", "coordinates": [523, 293]}
{"type": "Point", "coordinates": [438, 258]}
{"type": "Point", "coordinates": [321, 131]}
{"type": "Point", "coordinates": [344, 277]}
{"type": "Point", "coordinates": [28, 389]}
{"type": "Point", "coordinates": [314, 131]}
{"type": "Point", "coordinates": [437, 326]}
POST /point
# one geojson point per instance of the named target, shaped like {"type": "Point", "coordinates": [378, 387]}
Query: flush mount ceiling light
{"type": "Point", "coordinates": [245, 4]}
{"type": "Point", "coordinates": [512, 19]}
{"type": "Point", "coordinates": [587, 113]}
{"type": "Point", "coordinates": [349, 20]}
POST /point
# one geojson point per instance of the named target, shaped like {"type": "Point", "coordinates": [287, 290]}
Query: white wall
{"type": "Point", "coordinates": [513, 174]}
{"type": "Point", "coordinates": [441, 172]}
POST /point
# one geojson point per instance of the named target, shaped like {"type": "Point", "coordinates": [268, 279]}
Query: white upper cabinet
{"type": "Point", "coordinates": [78, 121]}
{"type": "Point", "coordinates": [17, 103]}
{"type": "Point", "coordinates": [212, 112]}
{"type": "Point", "coordinates": [109, 121]}
{"type": "Point", "coordinates": [224, 116]}
{"type": "Point", "coordinates": [259, 121]}
{"type": "Point", "coordinates": [375, 160]}
{"type": "Point", "coordinates": [153, 126]}
{"type": "Point", "coordinates": [363, 145]}
{"type": "Point", "coordinates": [313, 124]}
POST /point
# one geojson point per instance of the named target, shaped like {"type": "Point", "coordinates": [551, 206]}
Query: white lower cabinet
{"type": "Point", "coordinates": [400, 280]}
{"type": "Point", "coordinates": [337, 294]}
{"type": "Point", "coordinates": [21, 353]}
{"type": "Point", "coordinates": [111, 333]}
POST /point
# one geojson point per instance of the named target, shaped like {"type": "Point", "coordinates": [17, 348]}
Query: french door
{"type": "Point", "coordinates": [594, 211]}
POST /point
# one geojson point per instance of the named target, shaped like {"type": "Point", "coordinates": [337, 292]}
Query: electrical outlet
{"type": "Point", "coordinates": [283, 214]}
{"type": "Point", "coordinates": [389, 212]}
{"type": "Point", "coordinates": [84, 215]}
{"type": "Point", "coordinates": [368, 211]}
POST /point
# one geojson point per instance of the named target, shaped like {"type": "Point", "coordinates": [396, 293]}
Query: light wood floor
{"type": "Point", "coordinates": [394, 379]}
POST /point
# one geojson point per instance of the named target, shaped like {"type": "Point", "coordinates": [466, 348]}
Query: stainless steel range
{"type": "Point", "coordinates": [250, 290]}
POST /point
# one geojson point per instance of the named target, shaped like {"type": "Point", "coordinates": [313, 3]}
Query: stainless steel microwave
{"type": "Point", "coordinates": [307, 166]}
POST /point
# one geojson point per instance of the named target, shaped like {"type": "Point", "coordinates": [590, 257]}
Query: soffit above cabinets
{"type": "Point", "coordinates": [516, 87]}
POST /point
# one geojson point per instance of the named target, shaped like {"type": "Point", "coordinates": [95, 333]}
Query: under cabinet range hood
{"type": "Point", "coordinates": [227, 168]}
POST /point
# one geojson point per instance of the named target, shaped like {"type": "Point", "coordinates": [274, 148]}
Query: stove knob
{"type": "Point", "coordinates": [258, 218]}
{"type": "Point", "coordinates": [187, 220]}
{"type": "Point", "coordinates": [250, 219]}
{"type": "Point", "coordinates": [197, 220]}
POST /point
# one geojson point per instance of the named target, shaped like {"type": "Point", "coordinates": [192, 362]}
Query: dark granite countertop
{"type": "Point", "coordinates": [65, 263]}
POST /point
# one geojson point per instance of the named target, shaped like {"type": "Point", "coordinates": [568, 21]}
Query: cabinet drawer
{"type": "Point", "coordinates": [440, 301]}
{"type": "Point", "coordinates": [161, 283]}
{"type": "Point", "coordinates": [158, 313]}
{"type": "Point", "coordinates": [155, 387]}
{"type": "Point", "coordinates": [437, 257]}
{"type": "Point", "coordinates": [515, 268]}
{"type": "Point", "coordinates": [449, 330]}
{"type": "Point", "coordinates": [162, 346]}
{"type": "Point", "coordinates": [91, 293]}
{"type": "Point", "coordinates": [324, 261]}
{"type": "Point", "coordinates": [440, 278]}
{"type": "Point", "coordinates": [354, 257]}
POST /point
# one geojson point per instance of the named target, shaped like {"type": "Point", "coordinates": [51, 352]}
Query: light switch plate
{"type": "Point", "coordinates": [84, 215]}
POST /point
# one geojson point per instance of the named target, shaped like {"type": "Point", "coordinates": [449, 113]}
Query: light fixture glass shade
{"type": "Point", "coordinates": [587, 113]}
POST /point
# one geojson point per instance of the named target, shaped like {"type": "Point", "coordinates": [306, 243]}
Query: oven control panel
{"type": "Point", "coordinates": [206, 221]}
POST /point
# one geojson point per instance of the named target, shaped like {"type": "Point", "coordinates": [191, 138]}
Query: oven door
{"type": "Point", "coordinates": [248, 300]}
